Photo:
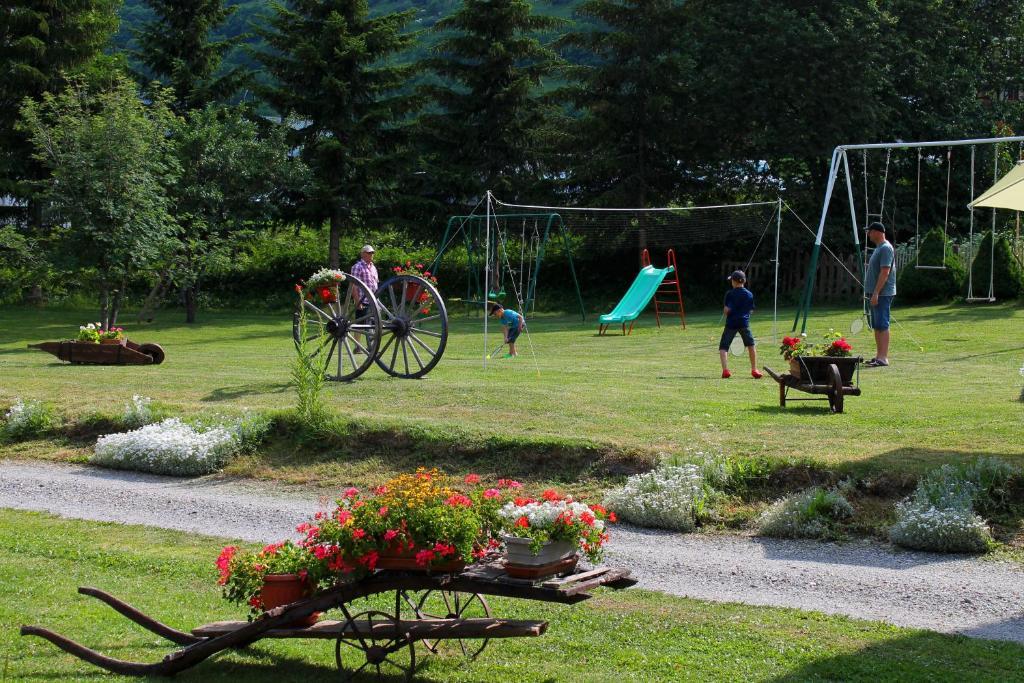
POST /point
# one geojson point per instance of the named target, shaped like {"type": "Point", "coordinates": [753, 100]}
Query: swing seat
{"type": "Point", "coordinates": [496, 295]}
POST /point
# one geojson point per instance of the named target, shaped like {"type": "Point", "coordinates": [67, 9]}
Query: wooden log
{"type": "Point", "coordinates": [418, 629]}
{"type": "Point", "coordinates": [145, 621]}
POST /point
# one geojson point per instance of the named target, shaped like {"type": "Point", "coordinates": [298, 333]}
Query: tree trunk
{"type": "Point", "coordinates": [149, 305]}
{"type": "Point", "coordinates": [104, 304]}
{"type": "Point", "coordinates": [191, 303]}
{"type": "Point", "coordinates": [334, 257]}
{"type": "Point", "coordinates": [115, 307]}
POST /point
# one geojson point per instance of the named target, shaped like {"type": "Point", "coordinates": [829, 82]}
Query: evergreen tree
{"type": "Point", "coordinates": [492, 66]}
{"type": "Point", "coordinates": [335, 68]}
{"type": "Point", "coordinates": [177, 51]}
{"type": "Point", "coordinates": [39, 43]}
{"type": "Point", "coordinates": [632, 133]}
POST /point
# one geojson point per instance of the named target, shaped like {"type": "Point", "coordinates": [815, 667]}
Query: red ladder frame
{"type": "Point", "coordinates": [667, 288]}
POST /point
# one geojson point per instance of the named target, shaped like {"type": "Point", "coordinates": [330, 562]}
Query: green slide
{"type": "Point", "coordinates": [637, 296]}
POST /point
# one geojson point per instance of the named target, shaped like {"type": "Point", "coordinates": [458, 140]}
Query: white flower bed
{"type": "Point", "coordinates": [137, 412]}
{"type": "Point", "coordinates": [808, 514]}
{"type": "Point", "coordinates": [948, 530]}
{"type": "Point", "coordinates": [668, 497]}
{"type": "Point", "coordinates": [25, 419]}
{"type": "Point", "coordinates": [168, 447]}
{"type": "Point", "coordinates": [543, 514]}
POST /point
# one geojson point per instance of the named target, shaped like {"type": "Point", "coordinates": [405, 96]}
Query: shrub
{"type": "Point", "coordinates": [175, 447]}
{"type": "Point", "coordinates": [950, 530]}
{"type": "Point", "coordinates": [813, 513]}
{"type": "Point", "coordinates": [668, 497]}
{"type": "Point", "coordinates": [26, 419]}
{"type": "Point", "coordinates": [918, 286]}
{"type": "Point", "coordinates": [1009, 274]}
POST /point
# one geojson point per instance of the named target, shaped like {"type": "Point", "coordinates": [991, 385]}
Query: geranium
{"type": "Point", "coordinates": [557, 518]}
{"type": "Point", "coordinates": [323, 283]}
{"type": "Point", "coordinates": [835, 345]}
{"type": "Point", "coordinates": [112, 333]}
{"type": "Point", "coordinates": [242, 571]}
{"type": "Point", "coordinates": [794, 347]}
{"type": "Point", "coordinates": [89, 333]}
{"type": "Point", "coordinates": [416, 269]}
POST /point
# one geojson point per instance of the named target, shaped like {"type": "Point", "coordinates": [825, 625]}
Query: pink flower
{"type": "Point", "coordinates": [383, 512]}
{"type": "Point", "coordinates": [509, 484]}
{"type": "Point", "coordinates": [390, 534]}
{"type": "Point", "coordinates": [344, 516]}
{"type": "Point", "coordinates": [358, 533]}
{"type": "Point", "coordinates": [472, 478]}
{"type": "Point", "coordinates": [492, 493]}
{"type": "Point", "coordinates": [351, 492]}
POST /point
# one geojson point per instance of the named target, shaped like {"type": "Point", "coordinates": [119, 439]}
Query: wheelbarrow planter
{"type": "Point", "coordinates": [833, 377]}
{"type": "Point", "coordinates": [89, 353]}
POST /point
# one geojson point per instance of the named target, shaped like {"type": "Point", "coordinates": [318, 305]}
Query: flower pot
{"type": "Point", "coordinates": [794, 367]}
{"type": "Point", "coordinates": [405, 559]}
{"type": "Point", "coordinates": [554, 557]}
{"type": "Point", "coordinates": [284, 589]}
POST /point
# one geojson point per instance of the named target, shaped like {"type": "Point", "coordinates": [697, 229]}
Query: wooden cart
{"type": "Point", "coordinates": [832, 377]}
{"type": "Point", "coordinates": [434, 610]}
{"type": "Point", "coordinates": [89, 353]}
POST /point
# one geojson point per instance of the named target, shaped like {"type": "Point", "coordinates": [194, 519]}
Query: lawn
{"type": "Point", "coordinates": [952, 391]}
{"type": "Point", "coordinates": [629, 635]}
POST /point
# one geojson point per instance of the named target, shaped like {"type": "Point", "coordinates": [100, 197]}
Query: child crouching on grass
{"type": "Point", "coordinates": [739, 302]}
{"type": "Point", "coordinates": [513, 322]}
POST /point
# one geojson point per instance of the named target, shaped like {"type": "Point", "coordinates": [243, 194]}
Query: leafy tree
{"type": "Point", "coordinates": [631, 134]}
{"type": "Point", "coordinates": [492, 66]}
{"type": "Point", "coordinates": [177, 49]}
{"type": "Point", "coordinates": [39, 43]}
{"type": "Point", "coordinates": [334, 68]}
{"type": "Point", "coordinates": [232, 179]}
{"type": "Point", "coordinates": [110, 161]}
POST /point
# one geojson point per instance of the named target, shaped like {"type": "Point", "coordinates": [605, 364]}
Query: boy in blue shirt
{"type": "Point", "coordinates": [739, 302]}
{"type": "Point", "coordinates": [513, 322]}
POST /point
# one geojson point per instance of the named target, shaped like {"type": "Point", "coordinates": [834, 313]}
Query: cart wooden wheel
{"type": "Point", "coordinates": [442, 604]}
{"type": "Point", "coordinates": [341, 335]}
{"type": "Point", "coordinates": [835, 394]}
{"type": "Point", "coordinates": [389, 656]}
{"type": "Point", "coordinates": [414, 324]}
{"type": "Point", "coordinates": [154, 351]}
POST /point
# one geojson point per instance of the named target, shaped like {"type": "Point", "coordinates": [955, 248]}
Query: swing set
{"type": "Point", "coordinates": [840, 161]}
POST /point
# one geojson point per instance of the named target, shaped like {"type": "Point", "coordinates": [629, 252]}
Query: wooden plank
{"type": "Point", "coordinates": [608, 577]}
{"type": "Point", "coordinates": [418, 629]}
{"type": "Point", "coordinates": [564, 581]}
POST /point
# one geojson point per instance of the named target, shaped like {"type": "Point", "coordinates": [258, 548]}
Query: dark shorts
{"type": "Point", "coordinates": [880, 313]}
{"type": "Point", "coordinates": [513, 334]}
{"type": "Point", "coordinates": [730, 333]}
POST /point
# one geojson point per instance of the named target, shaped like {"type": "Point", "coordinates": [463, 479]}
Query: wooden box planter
{"type": "Point", "coordinates": [814, 369]}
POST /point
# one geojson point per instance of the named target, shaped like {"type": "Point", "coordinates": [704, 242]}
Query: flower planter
{"type": "Point", "coordinates": [817, 368]}
{"type": "Point", "coordinates": [554, 557]}
{"type": "Point", "coordinates": [406, 560]}
{"type": "Point", "coordinates": [284, 589]}
{"type": "Point", "coordinates": [118, 342]}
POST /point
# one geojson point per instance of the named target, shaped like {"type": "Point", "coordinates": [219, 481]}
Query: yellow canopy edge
{"type": "Point", "coordinates": [1007, 193]}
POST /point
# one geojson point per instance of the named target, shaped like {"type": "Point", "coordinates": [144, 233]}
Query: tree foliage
{"type": "Point", "coordinates": [942, 276]}
{"type": "Point", "coordinates": [333, 68]}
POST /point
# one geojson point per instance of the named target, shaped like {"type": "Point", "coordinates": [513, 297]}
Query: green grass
{"type": "Point", "coordinates": [628, 635]}
{"type": "Point", "coordinates": [655, 391]}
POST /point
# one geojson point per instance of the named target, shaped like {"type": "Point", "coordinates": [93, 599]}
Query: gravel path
{"type": "Point", "coordinates": [860, 579]}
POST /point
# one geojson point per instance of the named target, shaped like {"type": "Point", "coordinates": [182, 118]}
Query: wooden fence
{"type": "Point", "coordinates": [834, 281]}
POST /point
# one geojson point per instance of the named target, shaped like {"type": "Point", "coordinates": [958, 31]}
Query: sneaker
{"type": "Point", "coordinates": [876, 363]}
{"type": "Point", "coordinates": [756, 374]}
{"type": "Point", "coordinates": [726, 374]}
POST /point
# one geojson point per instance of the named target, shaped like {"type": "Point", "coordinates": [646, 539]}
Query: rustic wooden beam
{"type": "Point", "coordinates": [145, 621]}
{"type": "Point", "coordinates": [417, 629]}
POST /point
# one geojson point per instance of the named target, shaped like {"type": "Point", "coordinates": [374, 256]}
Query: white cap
{"type": "Point", "coordinates": [367, 249]}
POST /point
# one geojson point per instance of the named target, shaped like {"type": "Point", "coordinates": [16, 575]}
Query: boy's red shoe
{"type": "Point", "coordinates": [726, 374]}
{"type": "Point", "coordinates": [756, 374]}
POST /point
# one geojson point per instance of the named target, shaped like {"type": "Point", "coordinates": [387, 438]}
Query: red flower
{"type": "Point", "coordinates": [472, 478]}
{"type": "Point", "coordinates": [325, 293]}
{"type": "Point", "coordinates": [369, 560]}
{"type": "Point", "coordinates": [255, 602]}
{"type": "Point", "coordinates": [351, 492]}
{"type": "Point", "coordinates": [344, 516]}
{"type": "Point", "coordinates": [397, 269]}
{"type": "Point", "coordinates": [383, 512]}
{"type": "Point", "coordinates": [509, 484]}
{"type": "Point", "coordinates": [426, 273]}
{"type": "Point", "coordinates": [358, 533]}
{"type": "Point", "coordinates": [612, 517]}
{"type": "Point", "coordinates": [424, 557]}
{"type": "Point", "coordinates": [424, 311]}
{"type": "Point", "coordinates": [551, 495]}
{"type": "Point", "coordinates": [599, 509]}
{"type": "Point", "coordinates": [457, 500]}
{"type": "Point", "coordinates": [444, 548]}
{"type": "Point", "coordinates": [390, 534]}
{"type": "Point", "coordinates": [224, 562]}
{"type": "Point", "coordinates": [381, 490]}
{"type": "Point", "coordinates": [523, 522]}
{"type": "Point", "coordinates": [587, 518]}
{"type": "Point", "coordinates": [522, 501]}
{"type": "Point", "coordinates": [298, 288]}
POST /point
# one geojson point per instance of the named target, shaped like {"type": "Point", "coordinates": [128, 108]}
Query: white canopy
{"type": "Point", "coordinates": [1007, 193]}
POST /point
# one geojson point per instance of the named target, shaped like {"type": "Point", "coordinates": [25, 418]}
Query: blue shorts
{"type": "Point", "coordinates": [513, 334]}
{"type": "Point", "coordinates": [730, 333]}
{"type": "Point", "coordinates": [880, 313]}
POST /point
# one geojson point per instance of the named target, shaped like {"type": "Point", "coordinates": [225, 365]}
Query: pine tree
{"type": "Point", "coordinates": [40, 43]}
{"type": "Point", "coordinates": [492, 67]}
{"type": "Point", "coordinates": [177, 50]}
{"type": "Point", "coordinates": [627, 145]}
{"type": "Point", "coordinates": [335, 68]}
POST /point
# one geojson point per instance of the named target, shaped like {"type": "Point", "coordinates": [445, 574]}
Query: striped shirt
{"type": "Point", "coordinates": [367, 272]}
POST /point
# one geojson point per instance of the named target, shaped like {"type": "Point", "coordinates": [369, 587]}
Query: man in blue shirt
{"type": "Point", "coordinates": [739, 302]}
{"type": "Point", "coordinates": [880, 288]}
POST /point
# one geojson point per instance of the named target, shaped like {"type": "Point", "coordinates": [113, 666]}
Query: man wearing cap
{"type": "Point", "coordinates": [367, 272]}
{"type": "Point", "coordinates": [739, 302]}
{"type": "Point", "coordinates": [880, 289]}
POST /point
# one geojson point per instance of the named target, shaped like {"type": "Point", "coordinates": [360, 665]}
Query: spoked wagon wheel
{"type": "Point", "coordinates": [389, 653]}
{"type": "Point", "coordinates": [835, 393]}
{"type": "Point", "coordinates": [414, 324]}
{"type": "Point", "coordinates": [442, 604]}
{"type": "Point", "coordinates": [341, 335]}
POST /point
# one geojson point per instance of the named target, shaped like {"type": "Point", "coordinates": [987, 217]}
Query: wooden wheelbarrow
{"type": "Point", "coordinates": [90, 353]}
{"type": "Point", "coordinates": [835, 378]}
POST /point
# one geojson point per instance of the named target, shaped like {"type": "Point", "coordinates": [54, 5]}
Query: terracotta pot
{"type": "Point", "coordinates": [284, 589]}
{"type": "Point", "coordinates": [406, 560]}
{"type": "Point", "coordinates": [794, 367]}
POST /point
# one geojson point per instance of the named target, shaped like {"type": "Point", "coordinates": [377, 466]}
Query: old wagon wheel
{"type": "Point", "coordinates": [443, 604]}
{"type": "Point", "coordinates": [154, 351]}
{"type": "Point", "coordinates": [341, 335]}
{"type": "Point", "coordinates": [835, 394]}
{"type": "Point", "coordinates": [414, 326]}
{"type": "Point", "coordinates": [388, 653]}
